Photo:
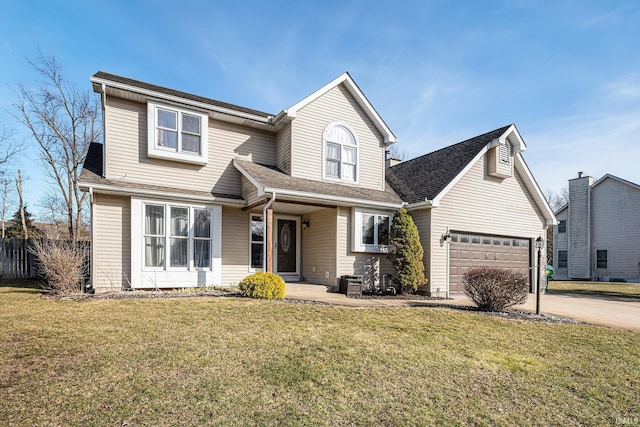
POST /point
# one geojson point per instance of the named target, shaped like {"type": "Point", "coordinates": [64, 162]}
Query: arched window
{"type": "Point", "coordinates": [340, 153]}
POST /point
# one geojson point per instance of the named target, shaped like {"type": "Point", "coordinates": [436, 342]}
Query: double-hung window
{"type": "Point", "coordinates": [340, 153]}
{"type": "Point", "coordinates": [181, 242]}
{"type": "Point", "coordinates": [177, 134]}
{"type": "Point", "coordinates": [562, 259]}
{"type": "Point", "coordinates": [562, 226]}
{"type": "Point", "coordinates": [371, 231]}
{"type": "Point", "coordinates": [601, 259]}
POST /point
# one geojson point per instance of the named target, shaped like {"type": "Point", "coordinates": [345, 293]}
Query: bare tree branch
{"type": "Point", "coordinates": [63, 122]}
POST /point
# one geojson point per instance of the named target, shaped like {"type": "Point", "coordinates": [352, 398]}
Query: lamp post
{"type": "Point", "coordinates": [539, 245]}
{"type": "Point", "coordinates": [446, 238]}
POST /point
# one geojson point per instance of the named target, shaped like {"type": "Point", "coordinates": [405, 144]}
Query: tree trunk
{"type": "Point", "coordinates": [25, 232]}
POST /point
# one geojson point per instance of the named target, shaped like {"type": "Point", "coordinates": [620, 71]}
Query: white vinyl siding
{"type": "Point", "coordinates": [319, 247]}
{"type": "Point", "coordinates": [485, 206]}
{"type": "Point", "coordinates": [111, 263]}
{"type": "Point", "coordinates": [337, 105]}
{"type": "Point", "coordinates": [127, 159]}
{"type": "Point", "coordinates": [235, 251]}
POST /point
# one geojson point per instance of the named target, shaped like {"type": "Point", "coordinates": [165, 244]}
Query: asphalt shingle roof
{"type": "Point", "coordinates": [272, 177]}
{"type": "Point", "coordinates": [172, 92]}
{"type": "Point", "coordinates": [424, 177]}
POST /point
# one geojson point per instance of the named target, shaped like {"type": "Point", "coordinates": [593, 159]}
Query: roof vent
{"type": "Point", "coordinates": [580, 174]}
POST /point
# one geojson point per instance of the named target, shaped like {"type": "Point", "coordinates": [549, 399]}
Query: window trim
{"type": "Point", "coordinates": [251, 242]}
{"type": "Point", "coordinates": [599, 259]}
{"type": "Point", "coordinates": [165, 276]}
{"type": "Point", "coordinates": [156, 151]}
{"type": "Point", "coordinates": [356, 230]}
{"type": "Point", "coordinates": [324, 154]}
{"type": "Point", "coordinates": [562, 222]}
{"type": "Point", "coordinates": [566, 259]}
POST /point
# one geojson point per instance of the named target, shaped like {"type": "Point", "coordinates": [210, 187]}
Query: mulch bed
{"type": "Point", "coordinates": [510, 314]}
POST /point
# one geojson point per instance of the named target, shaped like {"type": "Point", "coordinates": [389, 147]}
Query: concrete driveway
{"type": "Point", "coordinates": [617, 312]}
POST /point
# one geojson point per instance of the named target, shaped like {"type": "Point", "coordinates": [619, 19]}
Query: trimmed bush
{"type": "Point", "coordinates": [263, 285]}
{"type": "Point", "coordinates": [495, 288]}
{"type": "Point", "coordinates": [407, 253]}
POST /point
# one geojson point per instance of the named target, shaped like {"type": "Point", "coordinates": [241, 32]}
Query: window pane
{"type": "Point", "coordinates": [178, 252]}
{"type": "Point", "coordinates": [191, 143]}
{"type": "Point", "coordinates": [167, 138]}
{"type": "Point", "coordinates": [349, 172]}
{"type": "Point", "coordinates": [524, 243]}
{"type": "Point", "coordinates": [367, 229]}
{"type": "Point", "coordinates": [256, 255]}
{"type": "Point", "coordinates": [191, 124]}
{"type": "Point", "coordinates": [180, 222]}
{"type": "Point", "coordinates": [340, 134]}
{"type": "Point", "coordinates": [475, 239]}
{"type": "Point", "coordinates": [506, 242]}
{"type": "Point", "coordinates": [154, 220]}
{"type": "Point", "coordinates": [202, 223]}
{"type": "Point", "coordinates": [562, 226]}
{"type": "Point", "coordinates": [515, 243]}
{"type": "Point", "coordinates": [257, 229]}
{"type": "Point", "coordinates": [333, 168]}
{"type": "Point", "coordinates": [454, 237]}
{"type": "Point", "coordinates": [383, 230]}
{"type": "Point", "coordinates": [496, 242]}
{"type": "Point", "coordinates": [464, 238]}
{"type": "Point", "coordinates": [202, 253]}
{"type": "Point", "coordinates": [333, 151]}
{"type": "Point", "coordinates": [167, 119]}
{"type": "Point", "coordinates": [349, 155]}
{"type": "Point", "coordinates": [154, 251]}
{"type": "Point", "coordinates": [486, 240]}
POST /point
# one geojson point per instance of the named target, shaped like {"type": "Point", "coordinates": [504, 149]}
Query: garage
{"type": "Point", "coordinates": [472, 250]}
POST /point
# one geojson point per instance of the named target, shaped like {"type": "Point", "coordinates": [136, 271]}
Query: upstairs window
{"type": "Point", "coordinates": [340, 153]}
{"type": "Point", "coordinates": [177, 134]}
{"type": "Point", "coordinates": [562, 226]}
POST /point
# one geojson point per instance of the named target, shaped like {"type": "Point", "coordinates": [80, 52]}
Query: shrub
{"type": "Point", "coordinates": [263, 285]}
{"type": "Point", "coordinates": [407, 253]}
{"type": "Point", "coordinates": [495, 288]}
{"type": "Point", "coordinates": [62, 263]}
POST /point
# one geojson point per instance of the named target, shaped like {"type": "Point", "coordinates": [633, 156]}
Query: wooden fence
{"type": "Point", "coordinates": [18, 262]}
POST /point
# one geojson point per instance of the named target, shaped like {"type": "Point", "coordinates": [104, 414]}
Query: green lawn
{"type": "Point", "coordinates": [229, 361]}
{"type": "Point", "coordinates": [595, 288]}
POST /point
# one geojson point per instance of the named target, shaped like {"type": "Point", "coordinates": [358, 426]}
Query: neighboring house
{"type": "Point", "coordinates": [475, 203]}
{"type": "Point", "coordinates": [189, 191]}
{"type": "Point", "coordinates": [598, 231]}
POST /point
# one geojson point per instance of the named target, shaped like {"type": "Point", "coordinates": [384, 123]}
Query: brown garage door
{"type": "Point", "coordinates": [470, 250]}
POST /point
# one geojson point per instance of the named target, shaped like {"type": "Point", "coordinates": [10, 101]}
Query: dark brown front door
{"type": "Point", "coordinates": [287, 246]}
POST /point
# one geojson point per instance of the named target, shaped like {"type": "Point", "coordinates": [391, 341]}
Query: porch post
{"type": "Point", "coordinates": [269, 241]}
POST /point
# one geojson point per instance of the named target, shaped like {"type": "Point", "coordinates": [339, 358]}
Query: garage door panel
{"type": "Point", "coordinates": [486, 250]}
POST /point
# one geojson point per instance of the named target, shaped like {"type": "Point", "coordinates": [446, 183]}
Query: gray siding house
{"type": "Point", "coordinates": [189, 191]}
{"type": "Point", "coordinates": [598, 232]}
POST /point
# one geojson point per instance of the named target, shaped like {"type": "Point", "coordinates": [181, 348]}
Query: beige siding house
{"type": "Point", "coordinates": [598, 231]}
{"type": "Point", "coordinates": [188, 191]}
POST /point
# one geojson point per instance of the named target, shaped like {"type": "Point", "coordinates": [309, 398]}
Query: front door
{"type": "Point", "coordinates": [286, 243]}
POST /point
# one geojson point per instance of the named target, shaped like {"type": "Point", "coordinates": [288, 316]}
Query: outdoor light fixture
{"type": "Point", "coordinates": [446, 237]}
{"type": "Point", "coordinates": [539, 245]}
{"type": "Point", "coordinates": [305, 223]}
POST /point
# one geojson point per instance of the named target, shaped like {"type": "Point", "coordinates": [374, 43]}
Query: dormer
{"type": "Point", "coordinates": [501, 153]}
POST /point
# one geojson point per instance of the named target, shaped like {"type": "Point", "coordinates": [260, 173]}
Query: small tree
{"type": "Point", "coordinates": [20, 229]}
{"type": "Point", "coordinates": [407, 253]}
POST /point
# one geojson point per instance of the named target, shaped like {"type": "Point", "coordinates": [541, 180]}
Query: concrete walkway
{"type": "Point", "coordinates": [617, 312]}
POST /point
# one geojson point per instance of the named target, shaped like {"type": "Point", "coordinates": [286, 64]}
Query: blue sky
{"type": "Point", "coordinates": [439, 72]}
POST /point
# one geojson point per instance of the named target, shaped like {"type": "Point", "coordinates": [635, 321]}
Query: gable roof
{"type": "Point", "coordinates": [615, 178]}
{"type": "Point", "coordinates": [425, 177]}
{"type": "Point", "coordinates": [152, 90]}
{"type": "Point", "coordinates": [345, 79]}
{"type": "Point", "coordinates": [271, 179]}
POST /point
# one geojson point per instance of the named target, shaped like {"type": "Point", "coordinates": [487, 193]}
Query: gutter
{"type": "Point", "coordinates": [266, 207]}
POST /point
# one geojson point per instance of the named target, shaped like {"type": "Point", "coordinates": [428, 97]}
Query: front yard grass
{"type": "Point", "coordinates": [595, 288]}
{"type": "Point", "coordinates": [232, 361]}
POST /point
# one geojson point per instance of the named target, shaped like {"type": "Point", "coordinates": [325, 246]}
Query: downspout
{"type": "Point", "coordinates": [264, 221]}
{"type": "Point", "coordinates": [104, 129]}
{"type": "Point", "coordinates": [92, 247]}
